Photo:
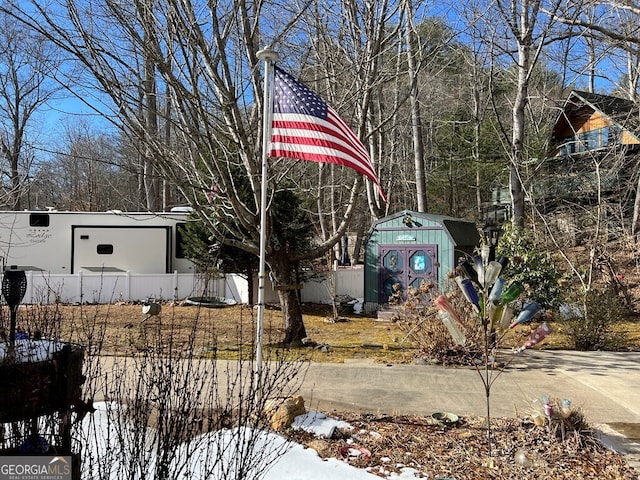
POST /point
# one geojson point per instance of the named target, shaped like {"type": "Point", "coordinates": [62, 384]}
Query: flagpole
{"type": "Point", "coordinates": [268, 55]}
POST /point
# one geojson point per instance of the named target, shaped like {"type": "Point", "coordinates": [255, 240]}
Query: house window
{"type": "Point", "coordinates": [614, 135]}
{"type": "Point", "coordinates": [593, 139]}
{"type": "Point", "coordinates": [604, 136]}
{"type": "Point", "coordinates": [589, 140]}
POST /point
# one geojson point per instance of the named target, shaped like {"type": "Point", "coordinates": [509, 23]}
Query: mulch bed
{"type": "Point", "coordinates": [520, 449]}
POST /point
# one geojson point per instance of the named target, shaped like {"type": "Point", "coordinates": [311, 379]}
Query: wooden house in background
{"type": "Point", "coordinates": [589, 122]}
{"type": "Point", "coordinates": [593, 160]}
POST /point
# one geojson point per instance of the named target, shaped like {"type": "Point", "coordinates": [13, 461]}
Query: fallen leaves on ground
{"type": "Point", "coordinates": [519, 449]}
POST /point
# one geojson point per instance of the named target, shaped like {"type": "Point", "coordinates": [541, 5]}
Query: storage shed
{"type": "Point", "coordinates": [408, 248]}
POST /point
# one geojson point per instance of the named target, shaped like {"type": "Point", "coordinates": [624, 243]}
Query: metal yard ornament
{"type": "Point", "coordinates": [481, 280]}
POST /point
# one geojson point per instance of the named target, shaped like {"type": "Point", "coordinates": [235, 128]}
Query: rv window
{"type": "Point", "coordinates": [105, 249]}
{"type": "Point", "coordinates": [180, 230]}
{"type": "Point", "coordinates": [39, 220]}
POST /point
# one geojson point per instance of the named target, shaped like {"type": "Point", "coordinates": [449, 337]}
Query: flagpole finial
{"type": "Point", "coordinates": [267, 54]}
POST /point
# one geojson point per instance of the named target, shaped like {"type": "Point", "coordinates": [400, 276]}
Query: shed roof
{"type": "Point", "coordinates": [462, 232]}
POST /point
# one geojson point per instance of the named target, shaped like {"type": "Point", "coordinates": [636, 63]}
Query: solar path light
{"type": "Point", "coordinates": [14, 286]}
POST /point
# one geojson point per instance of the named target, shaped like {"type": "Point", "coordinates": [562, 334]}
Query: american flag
{"type": "Point", "coordinates": [306, 128]}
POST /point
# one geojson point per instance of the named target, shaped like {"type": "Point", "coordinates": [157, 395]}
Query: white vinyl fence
{"type": "Point", "coordinates": [343, 282]}
{"type": "Point", "coordinates": [96, 288]}
{"type": "Point", "coordinates": [84, 287]}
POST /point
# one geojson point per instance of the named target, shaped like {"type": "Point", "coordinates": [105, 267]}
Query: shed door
{"type": "Point", "coordinates": [403, 266]}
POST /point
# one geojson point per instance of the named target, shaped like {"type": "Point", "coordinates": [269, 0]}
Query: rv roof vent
{"type": "Point", "coordinates": [114, 211]}
{"type": "Point", "coordinates": [182, 209]}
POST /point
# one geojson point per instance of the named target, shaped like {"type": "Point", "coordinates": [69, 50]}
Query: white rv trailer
{"type": "Point", "coordinates": [114, 241]}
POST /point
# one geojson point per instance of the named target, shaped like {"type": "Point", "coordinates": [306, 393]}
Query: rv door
{"type": "Point", "coordinates": [120, 249]}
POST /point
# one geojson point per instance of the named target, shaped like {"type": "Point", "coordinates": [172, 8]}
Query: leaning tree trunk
{"type": "Point", "coordinates": [284, 281]}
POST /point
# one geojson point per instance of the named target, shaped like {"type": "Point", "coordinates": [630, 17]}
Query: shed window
{"type": "Point", "coordinates": [105, 249]}
{"type": "Point", "coordinates": [420, 263]}
{"type": "Point", "coordinates": [393, 261]}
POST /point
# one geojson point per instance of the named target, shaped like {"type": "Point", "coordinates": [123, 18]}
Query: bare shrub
{"type": "Point", "coordinates": [589, 325]}
{"type": "Point", "coordinates": [162, 400]}
{"type": "Point", "coordinates": [418, 318]}
{"type": "Point", "coordinates": [166, 402]}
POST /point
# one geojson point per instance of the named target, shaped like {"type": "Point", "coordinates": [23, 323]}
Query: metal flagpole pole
{"type": "Point", "coordinates": [268, 55]}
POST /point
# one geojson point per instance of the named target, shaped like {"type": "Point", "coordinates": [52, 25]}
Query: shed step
{"type": "Point", "coordinates": [387, 313]}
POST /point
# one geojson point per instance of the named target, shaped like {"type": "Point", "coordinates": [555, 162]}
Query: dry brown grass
{"type": "Point", "coordinates": [124, 329]}
{"type": "Point", "coordinates": [230, 329]}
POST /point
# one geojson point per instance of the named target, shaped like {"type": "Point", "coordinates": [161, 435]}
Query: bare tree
{"type": "Point", "coordinates": [524, 29]}
{"type": "Point", "coordinates": [416, 118]}
{"type": "Point", "coordinates": [523, 23]}
{"type": "Point", "coordinates": [149, 104]}
{"type": "Point", "coordinates": [206, 56]}
{"type": "Point", "coordinates": [478, 83]}
{"type": "Point", "coordinates": [84, 175]}
{"type": "Point", "coordinates": [27, 65]}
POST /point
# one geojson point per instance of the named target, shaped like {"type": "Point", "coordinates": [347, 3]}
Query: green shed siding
{"type": "Point", "coordinates": [453, 237]}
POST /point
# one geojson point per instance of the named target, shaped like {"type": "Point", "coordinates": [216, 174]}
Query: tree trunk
{"type": "Point", "coordinates": [517, 190]}
{"type": "Point", "coordinates": [283, 276]}
{"type": "Point", "coordinates": [149, 85]}
{"type": "Point", "coordinates": [16, 191]}
{"type": "Point", "coordinates": [416, 119]}
{"type": "Point", "coordinates": [357, 245]}
{"type": "Point", "coordinates": [249, 271]}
